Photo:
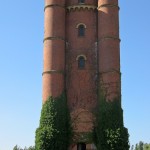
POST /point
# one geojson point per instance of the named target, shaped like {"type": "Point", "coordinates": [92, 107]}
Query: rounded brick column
{"type": "Point", "coordinates": [109, 48]}
{"type": "Point", "coordinates": [54, 48]}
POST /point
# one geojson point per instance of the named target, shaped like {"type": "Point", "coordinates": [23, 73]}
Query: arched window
{"type": "Point", "coordinates": [81, 62]}
{"type": "Point", "coordinates": [81, 30]}
{"type": "Point", "coordinates": [81, 1]}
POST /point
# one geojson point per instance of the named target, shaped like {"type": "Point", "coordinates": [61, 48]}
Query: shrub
{"type": "Point", "coordinates": [54, 130]}
{"type": "Point", "coordinates": [109, 132]}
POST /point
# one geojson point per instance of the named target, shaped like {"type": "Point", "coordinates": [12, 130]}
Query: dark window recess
{"type": "Point", "coordinates": [81, 62]}
{"type": "Point", "coordinates": [81, 146]}
{"type": "Point", "coordinates": [81, 1]}
{"type": "Point", "coordinates": [81, 30]}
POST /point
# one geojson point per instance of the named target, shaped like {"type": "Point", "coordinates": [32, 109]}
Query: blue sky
{"type": "Point", "coordinates": [21, 61]}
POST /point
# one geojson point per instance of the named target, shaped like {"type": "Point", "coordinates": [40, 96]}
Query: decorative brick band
{"type": "Point", "coordinates": [54, 38]}
{"type": "Point", "coordinates": [108, 5]}
{"type": "Point", "coordinates": [54, 5]}
{"type": "Point", "coordinates": [53, 72]}
{"type": "Point", "coordinates": [81, 6]}
{"type": "Point", "coordinates": [109, 38]}
{"type": "Point", "coordinates": [110, 71]}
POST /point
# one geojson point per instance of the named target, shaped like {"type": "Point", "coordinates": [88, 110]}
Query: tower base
{"type": "Point", "coordinates": [86, 147]}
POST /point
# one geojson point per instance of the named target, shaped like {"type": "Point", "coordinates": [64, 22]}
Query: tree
{"type": "Point", "coordinates": [132, 147]}
{"type": "Point", "coordinates": [146, 146]}
{"type": "Point", "coordinates": [141, 145]}
{"type": "Point", "coordinates": [31, 148]}
{"type": "Point", "coordinates": [18, 148]}
{"type": "Point", "coordinates": [136, 147]}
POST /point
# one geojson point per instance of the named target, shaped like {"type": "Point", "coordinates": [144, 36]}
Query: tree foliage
{"type": "Point", "coordinates": [54, 130]}
{"type": "Point", "coordinates": [141, 146]}
{"type": "Point", "coordinates": [19, 148]}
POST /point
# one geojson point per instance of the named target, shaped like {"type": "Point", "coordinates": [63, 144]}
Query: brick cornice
{"type": "Point", "coordinates": [109, 38]}
{"type": "Point", "coordinates": [110, 71]}
{"type": "Point", "coordinates": [53, 72]}
{"type": "Point", "coordinates": [54, 38]}
{"type": "Point", "coordinates": [108, 5]}
{"type": "Point", "coordinates": [54, 5]}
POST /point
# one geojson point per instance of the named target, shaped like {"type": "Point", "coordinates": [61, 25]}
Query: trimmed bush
{"type": "Point", "coordinates": [54, 131]}
{"type": "Point", "coordinates": [109, 132]}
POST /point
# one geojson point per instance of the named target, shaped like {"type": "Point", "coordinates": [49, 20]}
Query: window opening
{"type": "Point", "coordinates": [81, 62]}
{"type": "Point", "coordinates": [81, 1]}
{"type": "Point", "coordinates": [81, 30]}
{"type": "Point", "coordinates": [81, 146]}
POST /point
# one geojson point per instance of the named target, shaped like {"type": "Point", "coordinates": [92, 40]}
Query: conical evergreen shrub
{"type": "Point", "coordinates": [54, 132]}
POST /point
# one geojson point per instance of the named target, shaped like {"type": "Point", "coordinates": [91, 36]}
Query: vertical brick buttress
{"type": "Point", "coordinates": [54, 48]}
{"type": "Point", "coordinates": [109, 48]}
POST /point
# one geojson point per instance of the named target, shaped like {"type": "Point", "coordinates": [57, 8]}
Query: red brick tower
{"type": "Point", "coordinates": [81, 56]}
